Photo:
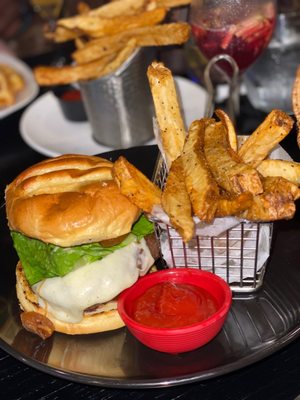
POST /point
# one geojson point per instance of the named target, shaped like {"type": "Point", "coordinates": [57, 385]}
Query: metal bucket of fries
{"type": "Point", "coordinates": [119, 105]}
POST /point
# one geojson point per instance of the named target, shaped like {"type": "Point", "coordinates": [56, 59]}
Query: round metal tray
{"type": "Point", "coordinates": [257, 326]}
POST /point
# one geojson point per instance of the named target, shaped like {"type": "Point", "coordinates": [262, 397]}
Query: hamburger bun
{"type": "Point", "coordinates": [101, 322]}
{"type": "Point", "coordinates": [69, 200]}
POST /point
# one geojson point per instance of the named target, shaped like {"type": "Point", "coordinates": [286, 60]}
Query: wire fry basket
{"type": "Point", "coordinates": [238, 255]}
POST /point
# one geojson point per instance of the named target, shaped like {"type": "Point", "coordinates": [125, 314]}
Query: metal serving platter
{"type": "Point", "coordinates": [258, 324]}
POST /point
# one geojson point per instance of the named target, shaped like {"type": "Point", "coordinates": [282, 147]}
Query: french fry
{"type": "Point", "coordinates": [136, 186]}
{"type": "Point", "coordinates": [230, 173]}
{"type": "Point", "coordinates": [234, 205]}
{"type": "Point", "coordinates": [167, 109]}
{"type": "Point", "coordinates": [176, 201]}
{"type": "Point", "coordinates": [226, 121]}
{"type": "Point", "coordinates": [61, 34]}
{"type": "Point", "coordinates": [289, 170]}
{"type": "Point", "coordinates": [201, 186]}
{"type": "Point", "coordinates": [119, 7]}
{"type": "Point", "coordinates": [83, 8]}
{"type": "Point", "coordinates": [277, 184]}
{"type": "Point", "coordinates": [7, 97]}
{"type": "Point", "coordinates": [104, 47]}
{"type": "Point", "coordinates": [97, 27]}
{"type": "Point", "coordinates": [159, 35]}
{"type": "Point", "coordinates": [265, 138]}
{"type": "Point", "coordinates": [48, 76]}
{"type": "Point", "coordinates": [296, 102]}
{"type": "Point", "coordinates": [276, 202]}
{"type": "Point", "coordinates": [172, 3]}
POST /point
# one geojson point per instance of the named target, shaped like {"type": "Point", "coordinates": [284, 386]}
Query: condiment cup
{"type": "Point", "coordinates": [70, 101]}
{"type": "Point", "coordinates": [185, 338]}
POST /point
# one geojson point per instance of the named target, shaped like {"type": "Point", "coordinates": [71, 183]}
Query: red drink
{"type": "Point", "coordinates": [244, 41]}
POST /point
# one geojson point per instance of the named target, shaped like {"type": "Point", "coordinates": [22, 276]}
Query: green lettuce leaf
{"type": "Point", "coordinates": [43, 260]}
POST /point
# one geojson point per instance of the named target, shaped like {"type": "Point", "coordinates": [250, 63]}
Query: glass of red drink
{"type": "Point", "coordinates": [241, 29]}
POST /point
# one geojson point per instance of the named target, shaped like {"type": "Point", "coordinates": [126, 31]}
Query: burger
{"type": "Point", "coordinates": [80, 242]}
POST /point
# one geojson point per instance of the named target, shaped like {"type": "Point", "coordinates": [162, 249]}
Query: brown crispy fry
{"type": "Point", "coordinates": [200, 184]}
{"type": "Point", "coordinates": [97, 27]}
{"type": "Point", "coordinates": [269, 133]}
{"type": "Point", "coordinates": [176, 201]}
{"type": "Point", "coordinates": [93, 51]}
{"type": "Point", "coordinates": [48, 76]}
{"type": "Point", "coordinates": [277, 184]}
{"type": "Point", "coordinates": [289, 170]}
{"type": "Point", "coordinates": [172, 3]}
{"type": "Point", "coordinates": [61, 34]}
{"type": "Point", "coordinates": [276, 202]}
{"type": "Point", "coordinates": [234, 205]}
{"type": "Point", "coordinates": [119, 7]}
{"type": "Point", "coordinates": [135, 185]}
{"type": "Point", "coordinates": [167, 109]}
{"type": "Point", "coordinates": [226, 121]}
{"type": "Point", "coordinates": [296, 102]}
{"type": "Point", "coordinates": [83, 8]}
{"type": "Point", "coordinates": [159, 35]}
{"type": "Point", "coordinates": [95, 69]}
{"type": "Point", "coordinates": [7, 96]}
{"type": "Point", "coordinates": [229, 172]}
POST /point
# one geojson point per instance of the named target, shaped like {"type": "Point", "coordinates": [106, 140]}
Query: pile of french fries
{"type": "Point", "coordinates": [210, 174]}
{"type": "Point", "coordinates": [105, 37]}
{"type": "Point", "coordinates": [11, 83]}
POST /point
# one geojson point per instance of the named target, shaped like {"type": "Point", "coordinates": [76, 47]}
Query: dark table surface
{"type": "Point", "coordinates": [275, 377]}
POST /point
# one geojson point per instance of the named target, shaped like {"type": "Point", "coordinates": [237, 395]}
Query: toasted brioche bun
{"type": "Point", "coordinates": [69, 200]}
{"type": "Point", "coordinates": [101, 322]}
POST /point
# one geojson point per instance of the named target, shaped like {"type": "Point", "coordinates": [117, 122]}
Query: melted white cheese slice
{"type": "Point", "coordinates": [67, 297]}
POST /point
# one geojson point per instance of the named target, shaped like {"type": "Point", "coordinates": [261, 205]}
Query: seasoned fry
{"type": "Point", "coordinates": [234, 205]}
{"type": "Point", "coordinates": [159, 35]}
{"type": "Point", "coordinates": [277, 184]}
{"type": "Point", "coordinates": [136, 186]}
{"type": "Point", "coordinates": [229, 172]}
{"type": "Point", "coordinates": [95, 69]}
{"type": "Point", "coordinates": [7, 97]}
{"type": "Point", "coordinates": [104, 47]}
{"type": "Point", "coordinates": [276, 202]}
{"type": "Point", "coordinates": [83, 8]}
{"type": "Point", "coordinates": [169, 3]}
{"type": "Point", "coordinates": [296, 102]}
{"type": "Point", "coordinates": [61, 34]}
{"type": "Point", "coordinates": [201, 186]}
{"type": "Point", "coordinates": [226, 121]}
{"type": "Point", "coordinates": [289, 170]}
{"type": "Point", "coordinates": [167, 109]}
{"type": "Point", "coordinates": [268, 207]}
{"type": "Point", "coordinates": [11, 83]}
{"type": "Point", "coordinates": [48, 76]}
{"type": "Point", "coordinates": [118, 7]}
{"type": "Point", "coordinates": [97, 27]}
{"type": "Point", "coordinates": [266, 137]}
{"type": "Point", "coordinates": [176, 201]}
{"type": "Point", "coordinates": [172, 3]}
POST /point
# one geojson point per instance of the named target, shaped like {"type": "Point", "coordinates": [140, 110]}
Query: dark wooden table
{"type": "Point", "coordinates": [276, 377]}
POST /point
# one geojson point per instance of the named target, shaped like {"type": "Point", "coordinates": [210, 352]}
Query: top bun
{"type": "Point", "coordinates": [69, 200]}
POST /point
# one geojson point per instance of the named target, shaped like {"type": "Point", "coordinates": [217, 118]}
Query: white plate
{"type": "Point", "coordinates": [44, 128]}
{"type": "Point", "coordinates": [31, 87]}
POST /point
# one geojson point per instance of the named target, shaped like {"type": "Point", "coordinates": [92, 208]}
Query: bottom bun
{"type": "Point", "coordinates": [101, 322]}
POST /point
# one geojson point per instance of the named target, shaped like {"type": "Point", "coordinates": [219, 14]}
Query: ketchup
{"type": "Point", "coordinates": [71, 95]}
{"type": "Point", "coordinates": [172, 305]}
